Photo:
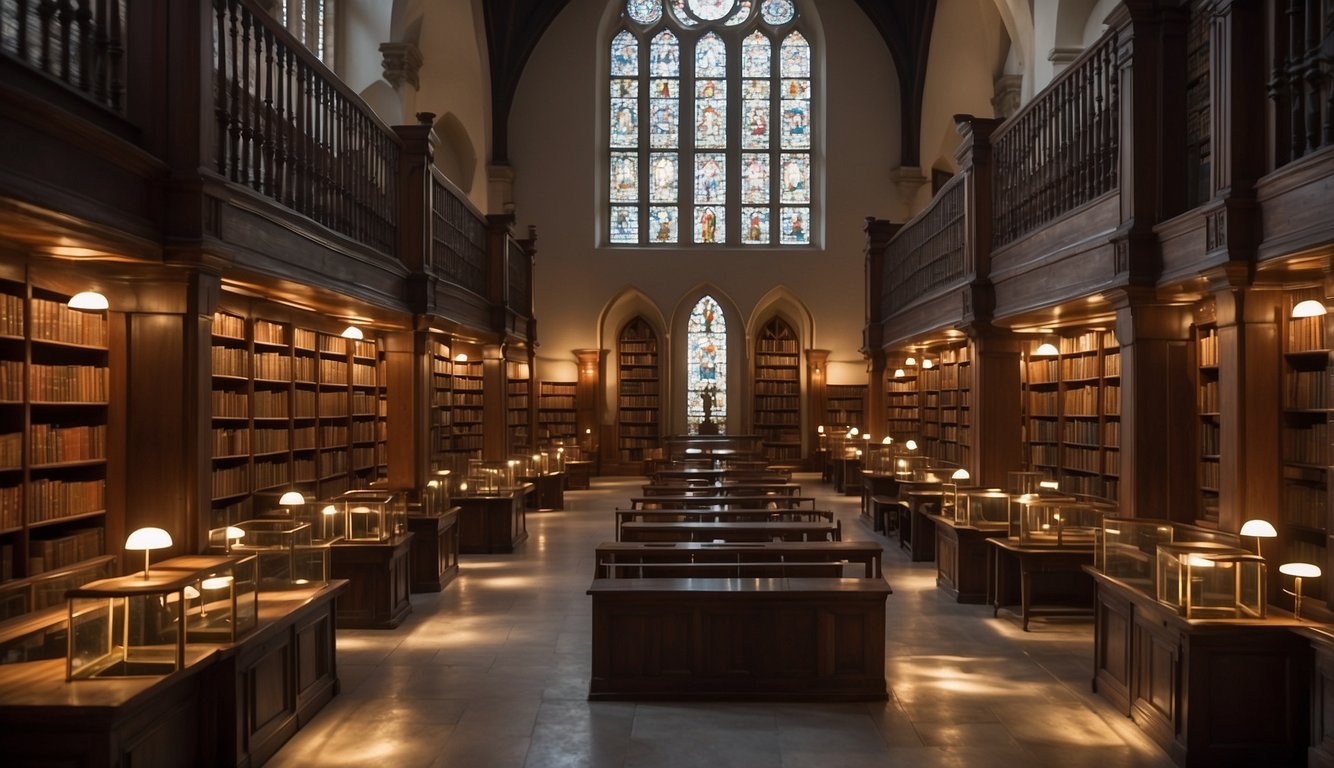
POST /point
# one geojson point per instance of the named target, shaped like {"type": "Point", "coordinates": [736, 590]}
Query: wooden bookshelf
{"type": "Point", "coordinates": [1072, 404]}
{"type": "Point", "coordinates": [637, 397]}
{"type": "Point", "coordinates": [778, 391]}
{"type": "Point", "coordinates": [950, 436]}
{"type": "Point", "coordinates": [466, 419]}
{"type": "Point", "coordinates": [518, 407]}
{"type": "Point", "coordinates": [55, 390]}
{"type": "Point", "coordinates": [1208, 427]}
{"type": "Point", "coordinates": [556, 410]}
{"type": "Point", "coordinates": [845, 406]}
{"type": "Point", "coordinates": [903, 416]}
{"type": "Point", "coordinates": [442, 405]}
{"type": "Point", "coordinates": [1303, 515]}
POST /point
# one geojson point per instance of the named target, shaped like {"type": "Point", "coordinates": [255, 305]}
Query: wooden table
{"type": "Point", "coordinates": [961, 558]}
{"type": "Point", "coordinates": [612, 556]}
{"type": "Point", "coordinates": [917, 527]}
{"type": "Point", "coordinates": [548, 491]}
{"type": "Point", "coordinates": [624, 516]}
{"type": "Point", "coordinates": [578, 474]}
{"type": "Point", "coordinates": [877, 484]}
{"type": "Point", "coordinates": [494, 523]}
{"type": "Point", "coordinates": [1067, 589]}
{"type": "Point", "coordinates": [723, 488]}
{"type": "Point", "coordinates": [768, 531]}
{"type": "Point", "coordinates": [719, 502]}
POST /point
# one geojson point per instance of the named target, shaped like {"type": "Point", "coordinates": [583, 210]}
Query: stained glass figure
{"type": "Point", "coordinates": [710, 10]}
{"type": "Point", "coordinates": [664, 56]}
{"type": "Point", "coordinates": [755, 130]}
{"type": "Point", "coordinates": [625, 55]}
{"type": "Point", "coordinates": [663, 177]}
{"type": "Point", "coordinates": [796, 89]}
{"type": "Point", "coordinates": [664, 88]}
{"type": "Point", "coordinates": [777, 11]}
{"type": "Point", "coordinates": [740, 15]}
{"type": "Point", "coordinates": [710, 56]}
{"type": "Point", "coordinates": [793, 229]}
{"type": "Point", "coordinates": [662, 225]}
{"type": "Point", "coordinates": [706, 366]}
{"type": "Point", "coordinates": [796, 182]}
{"type": "Point", "coordinates": [624, 177]}
{"type": "Point", "coordinates": [755, 54]}
{"type": "Point", "coordinates": [754, 177]}
{"type": "Point", "coordinates": [624, 123]}
{"type": "Point", "coordinates": [710, 177]}
{"type": "Point", "coordinates": [709, 224]}
{"type": "Point", "coordinates": [755, 226]}
{"type": "Point", "coordinates": [624, 224]}
{"type": "Point", "coordinates": [796, 124]}
{"type": "Point", "coordinates": [644, 11]}
{"type": "Point", "coordinates": [795, 55]}
{"type": "Point", "coordinates": [663, 124]}
{"type": "Point", "coordinates": [711, 114]}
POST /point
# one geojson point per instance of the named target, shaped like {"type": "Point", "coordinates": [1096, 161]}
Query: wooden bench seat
{"type": "Point", "coordinates": [619, 559]}
{"type": "Point", "coordinates": [789, 530]}
{"type": "Point", "coordinates": [719, 516]}
{"type": "Point", "coordinates": [728, 502]}
{"type": "Point", "coordinates": [721, 489]}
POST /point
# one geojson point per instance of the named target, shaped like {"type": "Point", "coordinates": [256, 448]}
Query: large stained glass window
{"type": "Point", "coordinates": [711, 133]}
{"type": "Point", "coordinates": [706, 368]}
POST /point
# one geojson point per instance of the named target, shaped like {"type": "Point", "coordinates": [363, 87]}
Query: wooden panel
{"type": "Point", "coordinates": [1294, 206]}
{"type": "Point", "coordinates": [378, 582]}
{"type": "Point", "coordinates": [268, 688]}
{"type": "Point", "coordinates": [1112, 649]}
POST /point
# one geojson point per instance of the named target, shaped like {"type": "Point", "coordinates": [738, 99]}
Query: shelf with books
{"type": "Point", "coordinates": [518, 407]}
{"type": "Point", "coordinates": [902, 404]}
{"type": "Point", "coordinates": [777, 391]}
{"type": "Point", "coordinates": [556, 410]}
{"type": "Point", "coordinates": [638, 403]}
{"type": "Point", "coordinates": [1207, 424]}
{"type": "Point", "coordinates": [845, 406]}
{"type": "Point", "coordinates": [1304, 438]}
{"type": "Point", "coordinates": [442, 404]}
{"type": "Point", "coordinates": [467, 406]}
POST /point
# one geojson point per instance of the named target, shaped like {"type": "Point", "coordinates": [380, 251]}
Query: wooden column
{"type": "Point", "coordinates": [1157, 461]}
{"type": "Point", "coordinates": [817, 372]}
{"type": "Point", "coordinates": [588, 398]}
{"type": "Point", "coordinates": [876, 422]}
{"type": "Point", "coordinates": [494, 401]}
{"type": "Point", "coordinates": [408, 366]}
{"type": "Point", "coordinates": [996, 426]}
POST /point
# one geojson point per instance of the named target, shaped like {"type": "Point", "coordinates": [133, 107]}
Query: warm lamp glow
{"type": "Point", "coordinates": [1308, 308]}
{"type": "Point", "coordinates": [292, 499]}
{"type": "Point", "coordinates": [92, 301]}
{"type": "Point", "coordinates": [961, 474]}
{"type": "Point", "coordinates": [910, 361]}
{"type": "Point", "coordinates": [820, 429]}
{"type": "Point", "coordinates": [330, 509]}
{"type": "Point", "coordinates": [1046, 349]}
{"type": "Point", "coordinates": [353, 332]}
{"type": "Point", "coordinates": [899, 373]}
{"type": "Point", "coordinates": [887, 441]}
{"type": "Point", "coordinates": [217, 582]}
{"type": "Point", "coordinates": [1050, 485]}
{"type": "Point", "coordinates": [911, 445]}
{"type": "Point", "coordinates": [852, 432]}
{"type": "Point", "coordinates": [1195, 561]}
{"type": "Point", "coordinates": [148, 539]}
{"type": "Point", "coordinates": [1298, 571]}
{"type": "Point", "coordinates": [460, 358]}
{"type": "Point", "coordinates": [927, 364]}
{"type": "Point", "coordinates": [1259, 528]}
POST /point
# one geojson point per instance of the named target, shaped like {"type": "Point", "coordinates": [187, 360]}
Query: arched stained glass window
{"type": "Point", "coordinates": [741, 170]}
{"type": "Point", "coordinates": [706, 366]}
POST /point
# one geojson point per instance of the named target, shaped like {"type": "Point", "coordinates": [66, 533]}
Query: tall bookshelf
{"type": "Point", "coordinates": [954, 437]}
{"type": "Point", "coordinates": [845, 406]}
{"type": "Point", "coordinates": [1073, 414]}
{"type": "Point", "coordinates": [778, 391]}
{"type": "Point", "coordinates": [1304, 439]}
{"type": "Point", "coordinates": [54, 398]}
{"type": "Point", "coordinates": [1207, 427]}
{"type": "Point", "coordinates": [466, 419]}
{"type": "Point", "coordinates": [518, 417]}
{"type": "Point", "coordinates": [903, 418]}
{"type": "Point", "coordinates": [367, 389]}
{"type": "Point", "coordinates": [638, 393]}
{"type": "Point", "coordinates": [442, 404]}
{"type": "Point", "coordinates": [556, 410]}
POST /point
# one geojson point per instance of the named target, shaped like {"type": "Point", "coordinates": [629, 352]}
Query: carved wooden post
{"type": "Point", "coordinates": [414, 210]}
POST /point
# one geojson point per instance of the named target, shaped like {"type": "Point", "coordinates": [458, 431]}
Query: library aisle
{"type": "Point", "coordinates": [493, 673]}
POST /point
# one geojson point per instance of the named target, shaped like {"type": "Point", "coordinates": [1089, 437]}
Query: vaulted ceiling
{"type": "Point", "coordinates": [513, 28]}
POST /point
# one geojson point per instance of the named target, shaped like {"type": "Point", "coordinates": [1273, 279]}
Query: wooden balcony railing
{"type": "Point", "coordinates": [289, 129]}
{"type": "Point", "coordinates": [519, 264]}
{"type": "Point", "coordinates": [1060, 150]}
{"type": "Point", "coordinates": [78, 42]}
{"type": "Point", "coordinates": [1302, 86]}
{"type": "Point", "coordinates": [458, 238]}
{"type": "Point", "coordinates": [928, 253]}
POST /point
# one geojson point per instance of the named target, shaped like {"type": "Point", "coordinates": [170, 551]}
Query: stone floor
{"type": "Point", "coordinates": [493, 672]}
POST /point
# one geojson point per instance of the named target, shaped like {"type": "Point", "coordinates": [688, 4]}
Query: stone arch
{"type": "Point", "coordinates": [736, 358]}
{"type": "Point", "coordinates": [455, 155]}
{"type": "Point", "coordinates": [625, 306]}
{"type": "Point", "coordinates": [781, 302]}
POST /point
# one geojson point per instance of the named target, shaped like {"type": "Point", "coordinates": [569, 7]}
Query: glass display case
{"type": "Point", "coordinates": [1019, 483]}
{"type": "Point", "coordinates": [372, 514]}
{"type": "Point", "coordinates": [287, 554]}
{"type": "Point", "coordinates": [223, 600]}
{"type": "Point", "coordinates": [1127, 547]}
{"type": "Point", "coordinates": [1211, 580]}
{"type": "Point", "coordinates": [435, 496]}
{"type": "Point", "coordinates": [982, 508]}
{"type": "Point", "coordinates": [1051, 522]}
{"type": "Point", "coordinates": [487, 478]}
{"type": "Point", "coordinates": [129, 626]}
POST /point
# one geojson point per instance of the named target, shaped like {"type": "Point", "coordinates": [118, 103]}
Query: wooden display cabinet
{"type": "Point", "coordinates": [379, 582]}
{"type": "Point", "coordinates": [556, 410]}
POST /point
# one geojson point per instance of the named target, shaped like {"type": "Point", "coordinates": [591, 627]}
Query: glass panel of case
{"type": "Point", "coordinates": [130, 626]}
{"type": "Point", "coordinates": [982, 508]}
{"type": "Point", "coordinates": [373, 514]}
{"type": "Point", "coordinates": [1205, 579]}
{"type": "Point", "coordinates": [1060, 523]}
{"type": "Point", "coordinates": [223, 600]}
{"type": "Point", "coordinates": [287, 554]}
{"type": "Point", "coordinates": [1127, 547]}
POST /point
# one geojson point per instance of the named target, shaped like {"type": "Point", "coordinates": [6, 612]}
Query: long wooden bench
{"type": "Point", "coordinates": [722, 489]}
{"type": "Point", "coordinates": [789, 530]}
{"type": "Point", "coordinates": [618, 559]}
{"type": "Point", "coordinates": [719, 516]}
{"type": "Point", "coordinates": [727, 502]}
{"type": "Point", "coordinates": [798, 639]}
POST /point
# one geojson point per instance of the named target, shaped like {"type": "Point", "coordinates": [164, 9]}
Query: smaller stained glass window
{"type": "Point", "coordinates": [664, 56]}
{"type": "Point", "coordinates": [711, 114]}
{"type": "Point", "coordinates": [755, 226]}
{"type": "Point", "coordinates": [710, 57]}
{"type": "Point", "coordinates": [624, 224]}
{"type": "Point", "coordinates": [796, 124]}
{"type": "Point", "coordinates": [706, 364]}
{"type": "Point", "coordinates": [755, 52]}
{"type": "Point", "coordinates": [624, 123]}
{"type": "Point", "coordinates": [663, 126]}
{"type": "Point", "coordinates": [709, 224]}
{"type": "Point", "coordinates": [795, 55]}
{"type": "Point", "coordinates": [624, 177]}
{"type": "Point", "coordinates": [662, 224]}
{"type": "Point", "coordinates": [625, 55]}
{"type": "Point", "coordinates": [710, 177]}
{"type": "Point", "coordinates": [644, 11]}
{"type": "Point", "coordinates": [796, 186]}
{"type": "Point", "coordinates": [794, 230]}
{"type": "Point", "coordinates": [777, 11]}
{"type": "Point", "coordinates": [756, 128]}
{"type": "Point", "coordinates": [755, 177]}
{"type": "Point", "coordinates": [663, 174]}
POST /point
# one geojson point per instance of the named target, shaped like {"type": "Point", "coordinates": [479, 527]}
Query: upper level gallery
{"type": "Point", "coordinates": [201, 133]}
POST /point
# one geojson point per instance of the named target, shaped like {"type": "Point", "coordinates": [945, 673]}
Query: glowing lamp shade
{"type": "Point", "coordinates": [899, 373]}
{"type": "Point", "coordinates": [292, 499]}
{"type": "Point", "coordinates": [148, 539]}
{"type": "Point", "coordinates": [1050, 485]}
{"type": "Point", "coordinates": [92, 301]}
{"type": "Point", "coordinates": [460, 358]}
{"type": "Point", "coordinates": [820, 429]}
{"type": "Point", "coordinates": [1308, 308]}
{"type": "Point", "coordinates": [887, 441]}
{"type": "Point", "coordinates": [911, 445]}
{"type": "Point", "coordinates": [1046, 349]}
{"type": "Point", "coordinates": [853, 432]}
{"type": "Point", "coordinates": [961, 474]}
{"type": "Point", "coordinates": [1260, 529]}
{"type": "Point", "coordinates": [353, 332]}
{"type": "Point", "coordinates": [927, 364]}
{"type": "Point", "coordinates": [1298, 571]}
{"type": "Point", "coordinates": [910, 361]}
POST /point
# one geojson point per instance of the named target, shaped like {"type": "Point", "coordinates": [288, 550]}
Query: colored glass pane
{"type": "Point", "coordinates": [663, 123]}
{"type": "Point", "coordinates": [644, 11]}
{"type": "Point", "coordinates": [755, 226]}
{"type": "Point", "coordinates": [796, 182]}
{"type": "Point", "coordinates": [740, 15]}
{"type": "Point", "coordinates": [624, 224]}
{"type": "Point", "coordinates": [754, 177]}
{"type": "Point", "coordinates": [794, 229]}
{"type": "Point", "coordinates": [624, 177]}
{"type": "Point", "coordinates": [755, 54]}
{"type": "Point", "coordinates": [664, 56]}
{"type": "Point", "coordinates": [666, 88]}
{"type": "Point", "coordinates": [710, 57]}
{"type": "Point", "coordinates": [663, 177]}
{"type": "Point", "coordinates": [795, 56]}
{"type": "Point", "coordinates": [624, 88]}
{"type": "Point", "coordinates": [755, 89]}
{"type": "Point", "coordinates": [777, 11]}
{"type": "Point", "coordinates": [624, 123]}
{"type": "Point", "coordinates": [710, 10]}
{"type": "Point", "coordinates": [796, 124]}
{"type": "Point", "coordinates": [662, 225]}
{"type": "Point", "coordinates": [709, 225]}
{"type": "Point", "coordinates": [706, 364]}
{"type": "Point", "coordinates": [711, 114]}
{"type": "Point", "coordinates": [755, 128]}
{"type": "Point", "coordinates": [796, 89]}
{"type": "Point", "coordinates": [625, 55]}
{"type": "Point", "coordinates": [681, 15]}
{"type": "Point", "coordinates": [710, 177]}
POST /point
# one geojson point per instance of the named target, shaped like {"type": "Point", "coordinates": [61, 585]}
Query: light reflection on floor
{"type": "Point", "coordinates": [493, 672]}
